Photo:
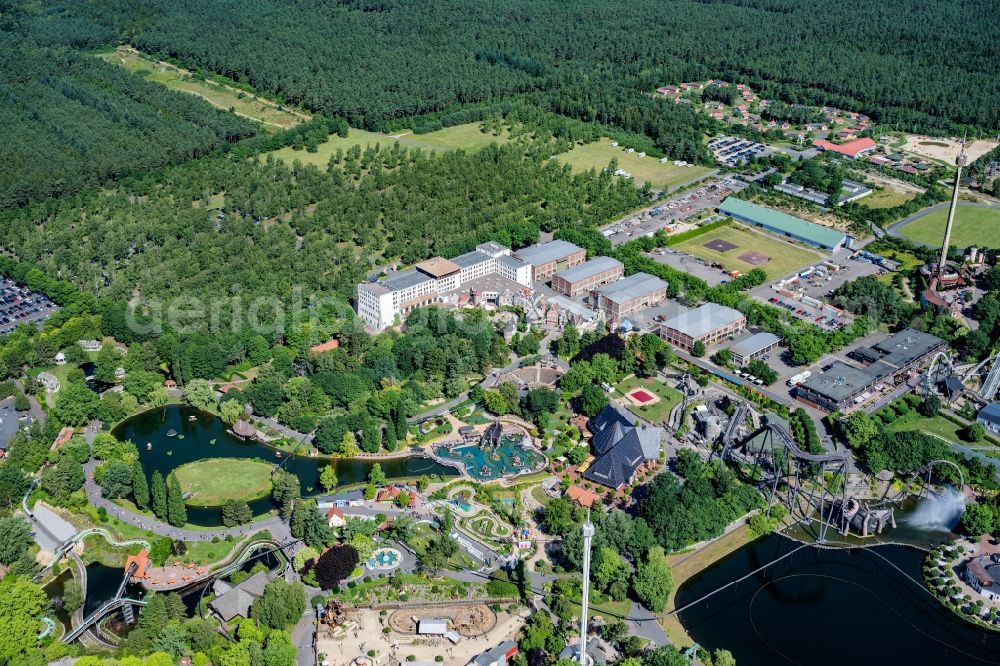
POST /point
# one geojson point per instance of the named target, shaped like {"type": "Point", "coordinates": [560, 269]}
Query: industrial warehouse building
{"type": "Point", "coordinates": [843, 387]}
{"type": "Point", "coordinates": [782, 224]}
{"type": "Point", "coordinates": [548, 258]}
{"type": "Point", "coordinates": [636, 292]}
{"type": "Point", "coordinates": [706, 323]}
{"type": "Point", "coordinates": [587, 276]}
{"type": "Point", "coordinates": [754, 347]}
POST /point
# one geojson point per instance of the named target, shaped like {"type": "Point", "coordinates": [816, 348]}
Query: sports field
{"type": "Point", "coordinates": [974, 226]}
{"type": "Point", "coordinates": [749, 248]}
{"type": "Point", "coordinates": [465, 137]}
{"type": "Point", "coordinates": [647, 169]}
{"type": "Point", "coordinates": [242, 103]}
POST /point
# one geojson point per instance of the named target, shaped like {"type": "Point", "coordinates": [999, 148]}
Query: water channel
{"type": "Point", "coordinates": [199, 435]}
{"type": "Point", "coordinates": [824, 607]}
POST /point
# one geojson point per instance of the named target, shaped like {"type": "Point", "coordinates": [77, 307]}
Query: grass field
{"type": "Point", "coordinates": [657, 412]}
{"type": "Point", "coordinates": [460, 137]}
{"type": "Point", "coordinates": [599, 154]}
{"type": "Point", "coordinates": [685, 565]}
{"type": "Point", "coordinates": [213, 481]}
{"type": "Point", "coordinates": [886, 198]}
{"type": "Point", "coordinates": [242, 103]}
{"type": "Point", "coordinates": [784, 256]}
{"type": "Point", "coordinates": [974, 225]}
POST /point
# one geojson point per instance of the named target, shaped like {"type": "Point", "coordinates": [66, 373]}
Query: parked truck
{"type": "Point", "coordinates": [795, 380]}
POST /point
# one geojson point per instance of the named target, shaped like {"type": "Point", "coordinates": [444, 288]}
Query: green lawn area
{"type": "Point", "coordinates": [271, 115]}
{"type": "Point", "coordinates": [655, 413]}
{"type": "Point", "coordinates": [886, 198]}
{"type": "Point", "coordinates": [907, 262]}
{"type": "Point", "coordinates": [423, 534]}
{"type": "Point", "coordinates": [974, 225]}
{"type": "Point", "coordinates": [208, 552]}
{"type": "Point", "coordinates": [599, 154]}
{"type": "Point", "coordinates": [785, 256]}
{"type": "Point", "coordinates": [326, 149]}
{"type": "Point", "coordinates": [215, 480]}
{"type": "Point", "coordinates": [466, 137]}
{"type": "Point", "coordinates": [937, 425]}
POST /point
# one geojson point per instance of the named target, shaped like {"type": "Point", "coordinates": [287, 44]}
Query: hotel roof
{"type": "Point", "coordinates": [470, 259]}
{"type": "Point", "coordinates": [634, 286]}
{"type": "Point", "coordinates": [589, 269]}
{"type": "Point", "coordinates": [438, 267]}
{"type": "Point", "coordinates": [544, 253]}
{"type": "Point", "coordinates": [703, 319]}
{"type": "Point", "coordinates": [405, 279]}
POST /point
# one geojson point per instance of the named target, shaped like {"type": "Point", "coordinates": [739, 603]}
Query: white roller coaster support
{"type": "Point", "coordinates": [992, 381]}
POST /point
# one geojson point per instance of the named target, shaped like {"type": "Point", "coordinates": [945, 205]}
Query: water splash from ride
{"type": "Point", "coordinates": [939, 511]}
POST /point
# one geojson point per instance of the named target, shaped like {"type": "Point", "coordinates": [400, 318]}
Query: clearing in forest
{"type": "Point", "coordinates": [469, 137]}
{"type": "Point", "coordinates": [645, 169]}
{"type": "Point", "coordinates": [270, 114]}
{"type": "Point", "coordinates": [887, 198]}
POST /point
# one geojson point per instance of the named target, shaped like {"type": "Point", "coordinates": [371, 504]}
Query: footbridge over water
{"type": "Point", "coordinates": [119, 600]}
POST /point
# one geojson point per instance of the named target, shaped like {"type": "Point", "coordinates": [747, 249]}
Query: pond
{"type": "Point", "coordinates": [485, 463]}
{"type": "Point", "coordinates": [195, 431]}
{"type": "Point", "coordinates": [853, 601]}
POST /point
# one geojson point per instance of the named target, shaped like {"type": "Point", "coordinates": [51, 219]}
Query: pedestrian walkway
{"type": "Point", "coordinates": [277, 527]}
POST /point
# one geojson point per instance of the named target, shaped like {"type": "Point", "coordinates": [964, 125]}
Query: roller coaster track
{"type": "Point", "coordinates": [113, 604]}
{"type": "Point", "coordinates": [80, 536]}
{"type": "Point", "coordinates": [806, 479]}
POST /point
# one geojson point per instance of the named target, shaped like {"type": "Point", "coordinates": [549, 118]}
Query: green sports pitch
{"type": "Point", "coordinates": [977, 226]}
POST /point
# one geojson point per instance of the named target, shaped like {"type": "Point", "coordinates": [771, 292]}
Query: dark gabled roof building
{"type": "Point", "coordinates": [620, 448]}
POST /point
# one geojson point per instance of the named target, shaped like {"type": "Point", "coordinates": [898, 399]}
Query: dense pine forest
{"type": "Point", "coordinates": [71, 121]}
{"type": "Point", "coordinates": [373, 60]}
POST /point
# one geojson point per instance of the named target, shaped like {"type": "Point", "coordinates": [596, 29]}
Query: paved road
{"type": "Point", "coordinates": [36, 410]}
{"type": "Point", "coordinates": [278, 528]}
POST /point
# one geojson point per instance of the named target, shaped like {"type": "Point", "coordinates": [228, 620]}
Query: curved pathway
{"type": "Point", "coordinates": [277, 527]}
{"type": "Point", "coordinates": [896, 227]}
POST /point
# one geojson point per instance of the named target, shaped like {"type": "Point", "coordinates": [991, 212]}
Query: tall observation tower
{"type": "Point", "coordinates": [960, 162]}
{"type": "Point", "coordinates": [588, 535]}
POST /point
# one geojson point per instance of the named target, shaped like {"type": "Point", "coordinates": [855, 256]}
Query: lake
{"type": "Point", "coordinates": [193, 442]}
{"type": "Point", "coordinates": [824, 607]}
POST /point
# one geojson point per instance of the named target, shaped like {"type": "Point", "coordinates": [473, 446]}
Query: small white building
{"type": "Point", "coordinates": [90, 345]}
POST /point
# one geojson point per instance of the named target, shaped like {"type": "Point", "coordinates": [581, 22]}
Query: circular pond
{"type": "Point", "coordinates": [200, 435]}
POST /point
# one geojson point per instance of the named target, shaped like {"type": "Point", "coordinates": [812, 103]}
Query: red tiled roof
{"type": "Point", "coordinates": [334, 511]}
{"type": "Point", "coordinates": [65, 435]}
{"type": "Point", "coordinates": [583, 497]}
{"type": "Point", "coordinates": [851, 148]}
{"type": "Point", "coordinates": [330, 344]}
{"type": "Point", "coordinates": [226, 388]}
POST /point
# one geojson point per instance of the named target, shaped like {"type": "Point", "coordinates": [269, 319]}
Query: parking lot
{"type": "Point", "coordinates": [818, 286]}
{"type": "Point", "coordinates": [20, 305]}
{"type": "Point", "coordinates": [672, 212]}
{"type": "Point", "coordinates": [696, 266]}
{"type": "Point", "coordinates": [733, 151]}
